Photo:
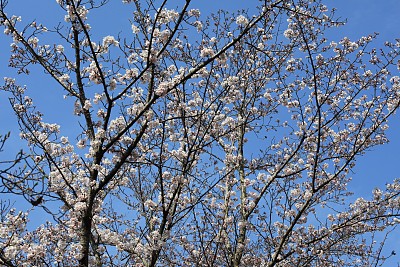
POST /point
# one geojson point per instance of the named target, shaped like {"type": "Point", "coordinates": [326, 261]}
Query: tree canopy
{"type": "Point", "coordinates": [220, 140]}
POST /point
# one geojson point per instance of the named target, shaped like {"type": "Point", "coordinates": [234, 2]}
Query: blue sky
{"type": "Point", "coordinates": [375, 168]}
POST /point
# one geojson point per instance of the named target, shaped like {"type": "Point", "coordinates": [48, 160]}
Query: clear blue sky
{"type": "Point", "coordinates": [377, 167]}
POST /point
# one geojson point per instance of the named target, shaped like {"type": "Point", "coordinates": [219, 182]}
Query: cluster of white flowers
{"type": "Point", "coordinates": [94, 74]}
{"type": "Point", "coordinates": [242, 20]}
{"type": "Point", "coordinates": [194, 12]}
{"type": "Point", "coordinates": [59, 49]}
{"type": "Point", "coordinates": [33, 41]}
{"type": "Point", "coordinates": [135, 29]}
{"type": "Point", "coordinates": [167, 15]}
{"type": "Point", "coordinates": [64, 79]}
{"type": "Point", "coordinates": [163, 88]}
{"type": "Point", "coordinates": [117, 124]}
{"type": "Point", "coordinates": [349, 45]}
{"type": "Point", "coordinates": [207, 52]}
{"type": "Point", "coordinates": [81, 11]}
{"type": "Point", "coordinates": [150, 204]}
{"type": "Point", "coordinates": [199, 25]}
{"type": "Point", "coordinates": [87, 104]}
{"type": "Point", "coordinates": [290, 33]}
{"type": "Point", "coordinates": [10, 24]}
{"type": "Point", "coordinates": [110, 40]}
{"type": "Point", "coordinates": [113, 84]}
{"type": "Point", "coordinates": [150, 56]}
{"type": "Point", "coordinates": [81, 144]}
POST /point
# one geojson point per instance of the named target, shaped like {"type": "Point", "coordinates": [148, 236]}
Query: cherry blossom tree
{"type": "Point", "coordinates": [221, 140]}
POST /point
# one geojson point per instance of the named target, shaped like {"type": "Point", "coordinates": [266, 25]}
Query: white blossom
{"type": "Point", "coordinates": [242, 20]}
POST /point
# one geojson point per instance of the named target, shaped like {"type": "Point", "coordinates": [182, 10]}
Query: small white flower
{"type": "Point", "coordinates": [289, 33]}
{"type": "Point", "coordinates": [87, 105]}
{"type": "Point", "coordinates": [59, 48]}
{"type": "Point", "coordinates": [33, 41]}
{"type": "Point", "coordinates": [307, 194]}
{"type": "Point", "coordinates": [242, 20]}
{"type": "Point", "coordinates": [135, 29]}
{"type": "Point", "coordinates": [207, 52]}
{"type": "Point", "coordinates": [64, 140]}
{"type": "Point", "coordinates": [110, 40]}
{"type": "Point", "coordinates": [163, 88]}
{"type": "Point", "coordinates": [113, 84]}
{"type": "Point", "coordinates": [198, 25]}
{"type": "Point", "coordinates": [150, 204]}
{"type": "Point", "coordinates": [64, 79]}
{"type": "Point", "coordinates": [194, 12]}
{"type": "Point", "coordinates": [81, 144]}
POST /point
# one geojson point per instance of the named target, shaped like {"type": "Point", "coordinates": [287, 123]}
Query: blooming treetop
{"type": "Point", "coordinates": [219, 141]}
